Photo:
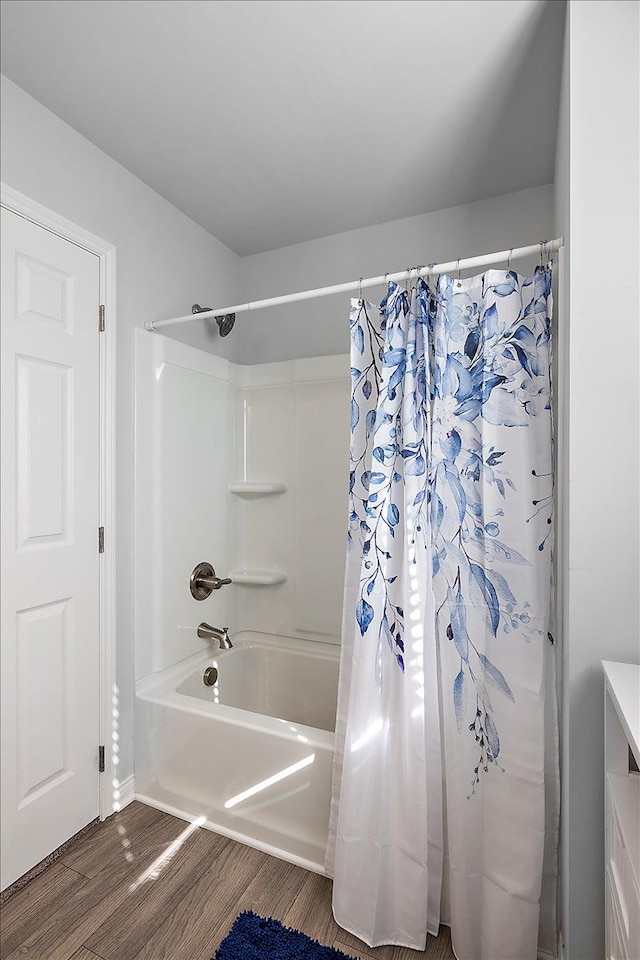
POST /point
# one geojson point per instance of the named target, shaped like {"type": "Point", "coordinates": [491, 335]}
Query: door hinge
{"type": "Point", "coordinates": [101, 759]}
{"type": "Point", "coordinates": [100, 539]}
{"type": "Point", "coordinates": [101, 318]}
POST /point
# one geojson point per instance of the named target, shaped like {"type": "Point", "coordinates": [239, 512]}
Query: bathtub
{"type": "Point", "coordinates": [251, 754]}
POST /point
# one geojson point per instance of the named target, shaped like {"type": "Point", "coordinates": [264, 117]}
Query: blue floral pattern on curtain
{"type": "Point", "coordinates": [428, 376]}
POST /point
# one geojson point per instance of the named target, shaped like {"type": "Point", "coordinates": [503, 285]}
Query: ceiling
{"type": "Point", "coordinates": [271, 122]}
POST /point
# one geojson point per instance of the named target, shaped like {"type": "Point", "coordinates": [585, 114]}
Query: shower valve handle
{"type": "Point", "coordinates": [203, 581]}
{"type": "Point", "coordinates": [214, 583]}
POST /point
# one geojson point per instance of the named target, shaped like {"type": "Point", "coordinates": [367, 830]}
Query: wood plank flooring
{"type": "Point", "coordinates": [144, 886]}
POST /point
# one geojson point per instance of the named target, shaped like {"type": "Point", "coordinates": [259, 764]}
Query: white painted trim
{"type": "Point", "coordinates": [106, 252]}
{"type": "Point", "coordinates": [50, 220]}
{"type": "Point", "coordinates": [126, 791]}
{"type": "Point", "coordinates": [561, 388]}
{"type": "Point", "coordinates": [563, 478]}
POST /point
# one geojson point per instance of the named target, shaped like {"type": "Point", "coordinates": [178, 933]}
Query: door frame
{"type": "Point", "coordinates": [16, 202]}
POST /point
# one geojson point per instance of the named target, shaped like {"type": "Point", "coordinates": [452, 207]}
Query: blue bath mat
{"type": "Point", "coordinates": [255, 938]}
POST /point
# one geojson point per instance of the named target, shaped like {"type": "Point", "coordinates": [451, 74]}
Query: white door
{"type": "Point", "coordinates": [49, 542]}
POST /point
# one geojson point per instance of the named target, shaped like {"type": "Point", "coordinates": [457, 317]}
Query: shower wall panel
{"type": "Point", "coordinates": [185, 435]}
{"type": "Point", "coordinates": [296, 423]}
{"type": "Point", "coordinates": [203, 423]}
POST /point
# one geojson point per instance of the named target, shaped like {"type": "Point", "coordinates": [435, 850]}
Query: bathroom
{"type": "Point", "coordinates": [125, 159]}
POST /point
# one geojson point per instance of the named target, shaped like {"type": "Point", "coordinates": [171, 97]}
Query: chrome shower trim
{"type": "Point", "coordinates": [225, 321]}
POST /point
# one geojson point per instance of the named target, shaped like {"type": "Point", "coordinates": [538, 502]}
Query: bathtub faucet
{"type": "Point", "coordinates": [221, 634]}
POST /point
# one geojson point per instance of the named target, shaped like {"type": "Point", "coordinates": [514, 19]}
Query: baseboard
{"type": "Point", "coordinates": [124, 793]}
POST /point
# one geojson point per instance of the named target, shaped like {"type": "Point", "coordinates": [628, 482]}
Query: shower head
{"type": "Point", "coordinates": [225, 321]}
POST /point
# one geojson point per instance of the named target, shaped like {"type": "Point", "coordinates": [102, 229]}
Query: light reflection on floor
{"type": "Point", "coordinates": [154, 870]}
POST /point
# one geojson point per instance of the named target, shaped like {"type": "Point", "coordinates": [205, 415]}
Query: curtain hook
{"type": "Point", "coordinates": [509, 259]}
{"type": "Point", "coordinates": [458, 268]}
{"type": "Point", "coordinates": [360, 291]}
{"type": "Point", "coordinates": [428, 276]}
{"type": "Point", "coordinates": [543, 244]}
{"type": "Point", "coordinates": [386, 286]}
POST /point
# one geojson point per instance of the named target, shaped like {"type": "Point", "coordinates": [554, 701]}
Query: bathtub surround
{"type": "Point", "coordinates": [294, 430]}
{"type": "Point", "coordinates": [446, 653]}
{"type": "Point", "coordinates": [245, 467]}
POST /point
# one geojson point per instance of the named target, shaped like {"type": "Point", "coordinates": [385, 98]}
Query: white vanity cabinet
{"type": "Point", "coordinates": [622, 810]}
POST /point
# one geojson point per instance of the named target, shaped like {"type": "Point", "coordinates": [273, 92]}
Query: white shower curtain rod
{"type": "Point", "coordinates": [544, 248]}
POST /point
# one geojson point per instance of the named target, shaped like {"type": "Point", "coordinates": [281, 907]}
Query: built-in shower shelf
{"type": "Point", "coordinates": [246, 489]}
{"type": "Point", "coordinates": [262, 578]}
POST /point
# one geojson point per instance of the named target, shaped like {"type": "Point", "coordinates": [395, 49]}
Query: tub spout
{"type": "Point", "coordinates": [221, 634]}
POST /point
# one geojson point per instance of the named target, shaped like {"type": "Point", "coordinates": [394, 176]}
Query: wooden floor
{"type": "Point", "coordinates": [129, 888]}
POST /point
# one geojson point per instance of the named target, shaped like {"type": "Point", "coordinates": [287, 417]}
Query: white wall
{"type": "Point", "coordinates": [320, 327]}
{"type": "Point", "coordinates": [165, 262]}
{"type": "Point", "coordinates": [599, 186]}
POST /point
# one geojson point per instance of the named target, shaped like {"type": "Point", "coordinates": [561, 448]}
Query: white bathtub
{"type": "Point", "coordinates": [251, 754]}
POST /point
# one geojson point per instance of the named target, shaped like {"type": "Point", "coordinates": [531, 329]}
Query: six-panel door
{"type": "Point", "coordinates": [50, 515]}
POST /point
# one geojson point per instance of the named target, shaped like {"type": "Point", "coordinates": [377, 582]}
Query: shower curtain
{"type": "Point", "coordinates": [438, 811]}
